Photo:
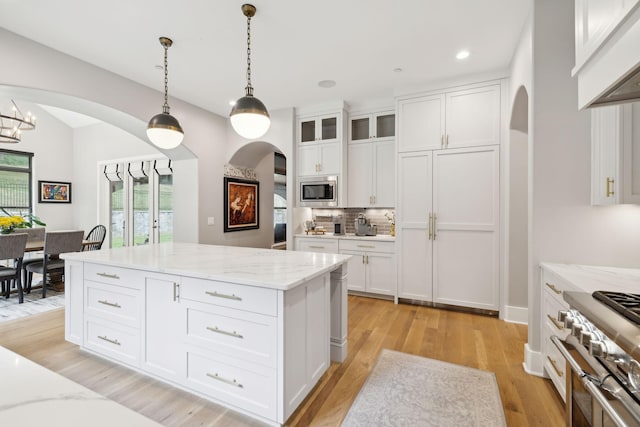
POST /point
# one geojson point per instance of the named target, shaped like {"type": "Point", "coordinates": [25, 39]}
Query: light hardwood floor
{"type": "Point", "coordinates": [466, 339]}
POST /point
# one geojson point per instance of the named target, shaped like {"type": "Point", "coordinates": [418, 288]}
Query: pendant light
{"type": "Point", "coordinates": [249, 117]}
{"type": "Point", "coordinates": [164, 130]}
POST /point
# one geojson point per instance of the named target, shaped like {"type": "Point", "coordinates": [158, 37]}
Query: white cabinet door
{"type": "Point", "coordinates": [165, 321]}
{"type": "Point", "coordinates": [381, 273]}
{"type": "Point", "coordinates": [74, 301]}
{"type": "Point", "coordinates": [412, 226]}
{"type": "Point", "coordinates": [421, 123]}
{"type": "Point", "coordinates": [360, 172]}
{"type": "Point", "coordinates": [385, 174]}
{"type": "Point", "coordinates": [606, 141]}
{"type": "Point", "coordinates": [308, 160]}
{"type": "Point", "coordinates": [466, 208]}
{"type": "Point", "coordinates": [631, 153]}
{"type": "Point", "coordinates": [356, 268]}
{"type": "Point", "coordinates": [324, 128]}
{"type": "Point", "coordinates": [473, 117]}
{"type": "Point", "coordinates": [329, 159]}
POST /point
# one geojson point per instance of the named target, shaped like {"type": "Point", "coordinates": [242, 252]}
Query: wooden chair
{"type": "Point", "coordinates": [97, 234]}
{"type": "Point", "coordinates": [12, 249]}
{"type": "Point", "coordinates": [55, 243]}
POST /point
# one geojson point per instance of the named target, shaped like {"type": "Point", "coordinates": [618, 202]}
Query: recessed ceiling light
{"type": "Point", "coordinates": [397, 70]}
{"type": "Point", "coordinates": [462, 54]}
{"type": "Point", "coordinates": [326, 83]}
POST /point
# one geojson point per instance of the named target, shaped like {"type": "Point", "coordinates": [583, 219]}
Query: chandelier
{"type": "Point", "coordinates": [11, 126]}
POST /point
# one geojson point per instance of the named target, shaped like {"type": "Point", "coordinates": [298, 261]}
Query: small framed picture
{"type": "Point", "coordinates": [54, 192]}
{"type": "Point", "coordinates": [241, 204]}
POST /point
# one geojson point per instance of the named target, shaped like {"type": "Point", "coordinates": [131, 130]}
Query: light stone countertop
{"type": "Point", "coordinates": [34, 396]}
{"type": "Point", "coordinates": [267, 268]}
{"type": "Point", "coordinates": [349, 236]}
{"type": "Point", "coordinates": [589, 279]}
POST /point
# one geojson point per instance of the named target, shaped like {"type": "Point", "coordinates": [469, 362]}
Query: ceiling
{"type": "Point", "coordinates": [295, 44]}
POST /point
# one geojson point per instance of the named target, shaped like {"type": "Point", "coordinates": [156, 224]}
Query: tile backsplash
{"type": "Point", "coordinates": [324, 217]}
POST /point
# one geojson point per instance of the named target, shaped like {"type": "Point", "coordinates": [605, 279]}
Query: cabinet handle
{"type": "Point", "coordinates": [555, 367]}
{"type": "Point", "coordinates": [110, 304]}
{"type": "Point", "coordinates": [316, 247]}
{"type": "Point", "coordinates": [366, 246]}
{"type": "Point", "coordinates": [553, 288]}
{"type": "Point", "coordinates": [557, 324]}
{"type": "Point", "coordinates": [216, 294]}
{"type": "Point", "coordinates": [224, 380]}
{"type": "Point", "coordinates": [363, 259]}
{"type": "Point", "coordinates": [110, 276]}
{"type": "Point", "coordinates": [446, 141]}
{"type": "Point", "coordinates": [442, 141]}
{"type": "Point", "coordinates": [609, 187]}
{"type": "Point", "coordinates": [176, 291]}
{"type": "Point", "coordinates": [435, 225]}
{"type": "Point", "coordinates": [430, 219]}
{"type": "Point", "coordinates": [223, 332]}
{"type": "Point", "coordinates": [374, 200]}
{"type": "Point", "coordinates": [366, 259]}
{"type": "Point", "coordinates": [104, 338]}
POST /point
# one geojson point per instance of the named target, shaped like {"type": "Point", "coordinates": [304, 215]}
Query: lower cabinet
{"type": "Point", "coordinates": [372, 266]}
{"type": "Point", "coordinates": [258, 350]}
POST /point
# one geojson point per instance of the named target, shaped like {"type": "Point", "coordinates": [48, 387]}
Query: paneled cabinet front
{"type": "Point", "coordinates": [372, 267]}
{"type": "Point", "coordinates": [371, 174]}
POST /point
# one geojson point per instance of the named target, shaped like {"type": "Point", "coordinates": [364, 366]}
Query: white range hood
{"type": "Point", "coordinates": [608, 67]}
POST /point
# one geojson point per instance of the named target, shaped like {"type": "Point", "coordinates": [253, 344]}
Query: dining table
{"type": "Point", "coordinates": [38, 245]}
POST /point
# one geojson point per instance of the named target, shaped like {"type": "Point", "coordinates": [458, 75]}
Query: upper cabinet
{"type": "Point", "coordinates": [453, 119]}
{"type": "Point", "coordinates": [323, 128]}
{"type": "Point", "coordinates": [607, 35]}
{"type": "Point", "coordinates": [615, 154]}
{"type": "Point", "coordinates": [372, 127]}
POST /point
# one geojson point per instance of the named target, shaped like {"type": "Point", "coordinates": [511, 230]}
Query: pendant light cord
{"type": "Point", "coordinates": [165, 107]}
{"type": "Point", "coordinates": [249, 88]}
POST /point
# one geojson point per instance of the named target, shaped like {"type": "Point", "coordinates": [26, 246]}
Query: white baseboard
{"type": "Point", "coordinates": [516, 315]}
{"type": "Point", "coordinates": [532, 362]}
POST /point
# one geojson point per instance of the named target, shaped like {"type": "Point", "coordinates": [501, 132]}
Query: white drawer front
{"type": "Point", "coordinates": [554, 363]}
{"type": "Point", "coordinates": [367, 246]}
{"type": "Point", "coordinates": [247, 298]}
{"type": "Point", "coordinates": [244, 385]}
{"type": "Point", "coordinates": [114, 275]}
{"type": "Point", "coordinates": [247, 336]}
{"type": "Point", "coordinates": [317, 245]}
{"type": "Point", "coordinates": [115, 303]}
{"type": "Point", "coordinates": [120, 343]}
{"type": "Point", "coordinates": [550, 308]}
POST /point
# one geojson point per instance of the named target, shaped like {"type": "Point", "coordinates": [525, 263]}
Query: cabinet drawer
{"type": "Point", "coordinates": [241, 297]}
{"type": "Point", "coordinates": [550, 308]}
{"type": "Point", "coordinates": [244, 385]}
{"type": "Point", "coordinates": [317, 245]}
{"type": "Point", "coordinates": [554, 364]}
{"type": "Point", "coordinates": [247, 336]}
{"type": "Point", "coordinates": [118, 342]}
{"type": "Point", "coordinates": [367, 246]}
{"type": "Point", "coordinates": [555, 285]}
{"type": "Point", "coordinates": [116, 303]}
{"type": "Point", "coordinates": [114, 275]}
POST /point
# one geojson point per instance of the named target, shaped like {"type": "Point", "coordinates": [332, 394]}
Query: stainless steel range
{"type": "Point", "coordinates": [603, 352]}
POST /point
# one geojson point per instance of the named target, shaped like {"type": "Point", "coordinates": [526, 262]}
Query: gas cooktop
{"type": "Point", "coordinates": [626, 304]}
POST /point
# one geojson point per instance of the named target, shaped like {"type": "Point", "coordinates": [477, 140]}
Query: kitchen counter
{"type": "Point", "coordinates": [350, 236]}
{"type": "Point", "coordinates": [589, 279]}
{"type": "Point", "coordinates": [35, 396]}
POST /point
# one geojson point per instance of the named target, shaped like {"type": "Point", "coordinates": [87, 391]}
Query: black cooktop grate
{"type": "Point", "coordinates": [626, 304]}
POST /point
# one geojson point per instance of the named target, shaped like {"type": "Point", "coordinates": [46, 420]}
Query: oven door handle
{"type": "Point", "coordinates": [589, 383]}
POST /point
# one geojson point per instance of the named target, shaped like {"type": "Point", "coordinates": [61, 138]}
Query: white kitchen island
{"type": "Point", "coordinates": [252, 329]}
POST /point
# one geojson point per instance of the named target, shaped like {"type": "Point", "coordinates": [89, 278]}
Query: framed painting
{"type": "Point", "coordinates": [54, 192]}
{"type": "Point", "coordinates": [241, 201]}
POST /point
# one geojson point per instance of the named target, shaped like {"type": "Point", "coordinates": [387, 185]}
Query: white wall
{"type": "Point", "coordinates": [565, 228]}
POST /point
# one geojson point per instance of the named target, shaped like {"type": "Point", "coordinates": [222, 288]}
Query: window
{"type": "Point", "coordinates": [15, 182]}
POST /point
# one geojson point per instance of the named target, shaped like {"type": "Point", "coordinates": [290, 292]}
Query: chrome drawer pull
{"type": "Point", "coordinates": [220, 331]}
{"type": "Point", "coordinates": [553, 288]}
{"type": "Point", "coordinates": [224, 380]}
{"type": "Point", "coordinates": [557, 324]}
{"type": "Point", "coordinates": [366, 246]}
{"type": "Point", "coordinates": [104, 338]}
{"type": "Point", "coordinates": [232, 296]}
{"type": "Point", "coordinates": [555, 367]}
{"type": "Point", "coordinates": [109, 276]}
{"type": "Point", "coordinates": [110, 304]}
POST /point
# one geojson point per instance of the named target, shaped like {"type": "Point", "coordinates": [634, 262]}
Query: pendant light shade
{"type": "Point", "coordinates": [164, 130]}
{"type": "Point", "coordinates": [249, 117]}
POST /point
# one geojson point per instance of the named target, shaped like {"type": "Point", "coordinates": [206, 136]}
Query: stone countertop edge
{"type": "Point", "coordinates": [588, 278]}
{"type": "Point", "coordinates": [377, 238]}
{"type": "Point", "coordinates": [221, 263]}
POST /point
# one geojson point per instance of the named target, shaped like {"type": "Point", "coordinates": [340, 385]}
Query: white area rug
{"type": "Point", "coordinates": [407, 390]}
{"type": "Point", "coordinates": [33, 304]}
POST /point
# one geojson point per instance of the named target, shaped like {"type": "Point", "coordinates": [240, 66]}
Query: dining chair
{"type": "Point", "coordinates": [96, 235]}
{"type": "Point", "coordinates": [12, 249]}
{"type": "Point", "coordinates": [55, 243]}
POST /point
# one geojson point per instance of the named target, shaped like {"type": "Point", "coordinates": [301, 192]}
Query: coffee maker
{"type": "Point", "coordinates": [338, 225]}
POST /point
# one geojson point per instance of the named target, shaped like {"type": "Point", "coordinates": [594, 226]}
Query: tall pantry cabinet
{"type": "Point", "coordinates": [448, 197]}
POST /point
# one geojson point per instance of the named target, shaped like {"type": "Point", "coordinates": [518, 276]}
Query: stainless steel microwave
{"type": "Point", "coordinates": [319, 191]}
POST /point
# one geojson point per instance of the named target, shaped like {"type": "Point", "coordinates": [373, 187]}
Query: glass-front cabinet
{"type": "Point", "coordinates": [319, 129]}
{"type": "Point", "coordinates": [374, 126]}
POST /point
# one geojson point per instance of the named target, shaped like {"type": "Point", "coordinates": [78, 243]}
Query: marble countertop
{"type": "Point", "coordinates": [589, 279]}
{"type": "Point", "coordinates": [350, 236]}
{"type": "Point", "coordinates": [33, 396]}
{"type": "Point", "coordinates": [266, 268]}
